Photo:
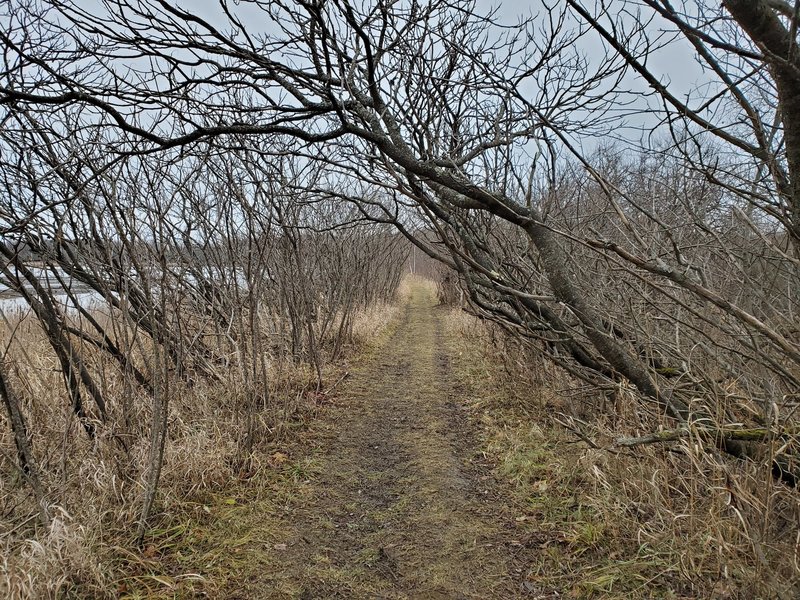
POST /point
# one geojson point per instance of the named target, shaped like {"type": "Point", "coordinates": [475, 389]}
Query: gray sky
{"type": "Point", "coordinates": [675, 64]}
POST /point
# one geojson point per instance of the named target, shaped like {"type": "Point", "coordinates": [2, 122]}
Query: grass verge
{"type": "Point", "coordinates": [655, 522]}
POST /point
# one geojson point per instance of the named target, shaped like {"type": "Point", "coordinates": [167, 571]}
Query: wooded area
{"type": "Point", "coordinates": [202, 209]}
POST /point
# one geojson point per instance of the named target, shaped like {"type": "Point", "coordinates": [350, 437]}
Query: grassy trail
{"type": "Point", "coordinates": [426, 477]}
{"type": "Point", "coordinates": [393, 502]}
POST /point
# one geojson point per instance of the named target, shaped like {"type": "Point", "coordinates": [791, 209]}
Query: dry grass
{"type": "Point", "coordinates": [671, 521]}
{"type": "Point", "coordinates": [54, 563]}
{"type": "Point", "coordinates": [674, 521]}
{"type": "Point", "coordinates": [94, 487]}
{"type": "Point", "coordinates": [369, 323]}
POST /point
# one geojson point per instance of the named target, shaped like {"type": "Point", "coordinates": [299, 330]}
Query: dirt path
{"type": "Point", "coordinates": [399, 505]}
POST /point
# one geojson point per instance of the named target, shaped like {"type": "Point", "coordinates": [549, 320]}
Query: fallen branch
{"type": "Point", "coordinates": [758, 434]}
{"type": "Point", "coordinates": [569, 424]}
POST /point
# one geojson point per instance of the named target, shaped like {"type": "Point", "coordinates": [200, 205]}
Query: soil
{"type": "Point", "coordinates": [396, 500]}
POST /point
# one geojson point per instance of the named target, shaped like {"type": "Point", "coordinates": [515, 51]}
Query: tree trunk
{"type": "Point", "coordinates": [768, 32]}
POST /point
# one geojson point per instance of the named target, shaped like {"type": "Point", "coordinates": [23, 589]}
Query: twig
{"type": "Point", "coordinates": [333, 387]}
{"type": "Point", "coordinates": [570, 425]}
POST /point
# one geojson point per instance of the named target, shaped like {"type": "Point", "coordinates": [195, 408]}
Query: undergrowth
{"type": "Point", "coordinates": [89, 549]}
{"type": "Point", "coordinates": [673, 521]}
{"type": "Point", "coordinates": [595, 521]}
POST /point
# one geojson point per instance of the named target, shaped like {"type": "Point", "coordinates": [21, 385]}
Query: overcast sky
{"type": "Point", "coordinates": [675, 63]}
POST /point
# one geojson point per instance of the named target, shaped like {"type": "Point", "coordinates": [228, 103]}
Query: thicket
{"type": "Point", "coordinates": [159, 334]}
{"type": "Point", "coordinates": [656, 263]}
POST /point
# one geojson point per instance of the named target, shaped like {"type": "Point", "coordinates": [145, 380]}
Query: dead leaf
{"type": "Point", "coordinates": [541, 486]}
{"type": "Point", "coordinates": [278, 458]}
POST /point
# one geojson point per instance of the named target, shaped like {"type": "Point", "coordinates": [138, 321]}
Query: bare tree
{"type": "Point", "coordinates": [668, 269]}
